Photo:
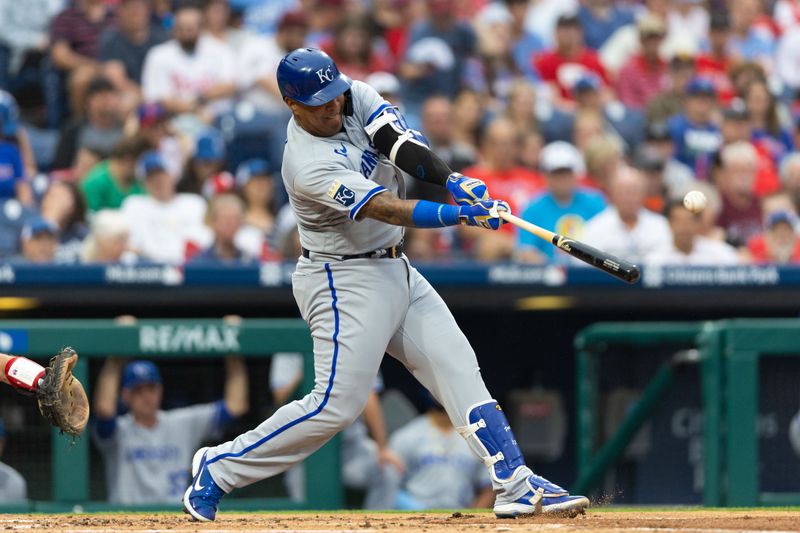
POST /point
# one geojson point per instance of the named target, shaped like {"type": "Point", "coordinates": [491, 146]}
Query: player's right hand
{"type": "Point", "coordinates": [484, 214]}
{"type": "Point", "coordinates": [466, 190]}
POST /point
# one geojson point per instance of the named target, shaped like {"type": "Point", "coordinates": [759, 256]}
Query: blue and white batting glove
{"type": "Point", "coordinates": [485, 214]}
{"type": "Point", "coordinates": [466, 190]}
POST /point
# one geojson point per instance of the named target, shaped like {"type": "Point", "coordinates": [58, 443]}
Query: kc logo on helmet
{"type": "Point", "coordinates": [324, 75]}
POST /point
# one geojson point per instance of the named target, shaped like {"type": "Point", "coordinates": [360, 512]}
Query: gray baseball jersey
{"type": "Point", "coordinates": [148, 465]}
{"type": "Point", "coordinates": [357, 309]}
{"type": "Point", "coordinates": [329, 179]}
{"type": "Point", "coordinates": [441, 470]}
{"type": "Point", "coordinates": [13, 488]}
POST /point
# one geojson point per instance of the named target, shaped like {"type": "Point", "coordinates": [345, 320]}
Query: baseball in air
{"type": "Point", "coordinates": [695, 201]}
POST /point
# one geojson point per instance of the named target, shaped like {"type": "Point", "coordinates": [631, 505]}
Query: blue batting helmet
{"type": "Point", "coordinates": [311, 77]}
{"type": "Point", "coordinates": [9, 114]}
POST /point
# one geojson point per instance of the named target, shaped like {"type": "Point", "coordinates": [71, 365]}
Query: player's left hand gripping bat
{"type": "Point", "coordinates": [619, 268]}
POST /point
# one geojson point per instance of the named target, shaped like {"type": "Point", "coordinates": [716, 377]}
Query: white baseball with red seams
{"type": "Point", "coordinates": [695, 201]}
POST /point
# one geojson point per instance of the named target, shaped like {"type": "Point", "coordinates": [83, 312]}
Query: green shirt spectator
{"type": "Point", "coordinates": [109, 182]}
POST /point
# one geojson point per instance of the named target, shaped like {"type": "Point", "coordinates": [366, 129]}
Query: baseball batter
{"type": "Point", "coordinates": [361, 297]}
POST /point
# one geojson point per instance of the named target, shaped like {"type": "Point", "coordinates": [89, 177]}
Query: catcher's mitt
{"type": "Point", "coordinates": [61, 397]}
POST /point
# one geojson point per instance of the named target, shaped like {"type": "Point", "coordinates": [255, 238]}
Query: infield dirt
{"type": "Point", "coordinates": [602, 521]}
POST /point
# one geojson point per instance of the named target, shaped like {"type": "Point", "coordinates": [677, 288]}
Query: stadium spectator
{"type": "Point", "coordinates": [109, 182]}
{"type": "Point", "coordinates": [257, 187]}
{"type": "Point", "coordinates": [588, 125]}
{"type": "Point", "coordinates": [435, 57]}
{"type": "Point", "coordinates": [569, 59]}
{"type": "Point", "coordinates": [75, 40]}
{"type": "Point", "coordinates": [787, 56]}
{"type": "Point", "coordinates": [438, 125]}
{"type": "Point", "coordinates": [767, 131]}
{"type": "Point", "coordinates": [216, 18]}
{"type": "Point", "coordinates": [542, 17]}
{"type": "Point", "coordinates": [38, 242]}
{"type": "Point", "coordinates": [688, 20]}
{"type": "Point", "coordinates": [743, 74]}
{"type": "Point", "coordinates": [625, 228]}
{"type": "Point", "coordinates": [715, 63]}
{"type": "Point", "coordinates": [13, 217]}
{"type": "Point", "coordinates": [326, 16]}
{"type": "Point", "coordinates": [737, 127]}
{"type": "Point", "coordinates": [749, 41]}
{"type": "Point", "coordinates": [689, 246]}
{"type": "Point", "coordinates": [563, 207]}
{"type": "Point", "coordinates": [11, 130]}
{"type": "Point", "coordinates": [790, 178]}
{"type": "Point", "coordinates": [649, 162]}
{"type": "Point", "coordinates": [532, 143]}
{"type": "Point", "coordinates": [778, 243]}
{"type": "Point", "coordinates": [493, 69]}
{"type": "Point", "coordinates": [13, 182]}
{"type": "Point", "coordinates": [107, 242]}
{"type": "Point", "coordinates": [646, 74]}
{"type": "Point", "coordinates": [64, 207]}
{"type": "Point", "coordinates": [203, 173]}
{"type": "Point", "coordinates": [469, 117]}
{"type": "Point", "coordinates": [697, 138]}
{"type": "Point", "coordinates": [682, 69]}
{"type": "Point", "coordinates": [388, 86]}
{"type": "Point", "coordinates": [145, 452]}
{"type": "Point", "coordinates": [25, 40]}
{"type": "Point", "coordinates": [740, 216]}
{"type": "Point", "coordinates": [675, 175]}
{"type": "Point", "coordinates": [165, 225]}
{"type": "Point", "coordinates": [13, 488]}
{"type": "Point", "coordinates": [259, 63]}
{"type": "Point", "coordinates": [123, 49]}
{"type": "Point", "coordinates": [258, 60]}
{"type": "Point", "coordinates": [353, 51]}
{"type": "Point", "coordinates": [91, 136]}
{"type": "Point", "coordinates": [525, 44]}
{"type": "Point", "coordinates": [499, 168]}
{"type": "Point", "coordinates": [226, 219]}
{"type": "Point", "coordinates": [367, 462]}
{"type": "Point", "coordinates": [786, 14]}
{"type": "Point", "coordinates": [627, 123]}
{"type": "Point", "coordinates": [192, 73]}
{"type": "Point", "coordinates": [603, 157]}
{"type": "Point", "coordinates": [441, 472]}
{"type": "Point", "coordinates": [600, 19]}
{"type": "Point", "coordinates": [155, 128]}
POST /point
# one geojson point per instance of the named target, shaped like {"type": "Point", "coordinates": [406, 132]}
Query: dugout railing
{"type": "Point", "coordinates": [728, 353]}
{"type": "Point", "coordinates": [154, 339]}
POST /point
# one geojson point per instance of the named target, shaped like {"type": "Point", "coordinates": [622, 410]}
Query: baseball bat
{"type": "Point", "coordinates": [619, 268]}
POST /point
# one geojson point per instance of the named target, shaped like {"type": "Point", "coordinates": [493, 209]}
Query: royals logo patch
{"type": "Point", "coordinates": [342, 194]}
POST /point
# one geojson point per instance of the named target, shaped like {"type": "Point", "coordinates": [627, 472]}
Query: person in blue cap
{"type": "Point", "coordinates": [13, 488]}
{"type": "Point", "coordinates": [697, 138]}
{"type": "Point", "coordinates": [38, 242]}
{"type": "Point", "coordinates": [203, 173]}
{"type": "Point", "coordinates": [145, 451]}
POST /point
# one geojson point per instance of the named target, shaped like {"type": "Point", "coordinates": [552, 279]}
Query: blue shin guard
{"type": "Point", "coordinates": [519, 491]}
{"type": "Point", "coordinates": [495, 441]}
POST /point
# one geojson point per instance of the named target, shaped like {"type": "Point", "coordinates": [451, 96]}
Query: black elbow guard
{"type": "Point", "coordinates": [406, 151]}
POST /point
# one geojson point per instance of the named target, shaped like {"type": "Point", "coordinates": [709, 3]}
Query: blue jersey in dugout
{"type": "Point", "coordinates": [564, 219]}
{"type": "Point", "coordinates": [11, 170]}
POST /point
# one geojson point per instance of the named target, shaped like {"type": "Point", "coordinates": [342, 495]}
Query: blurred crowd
{"type": "Point", "coordinates": [142, 131]}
